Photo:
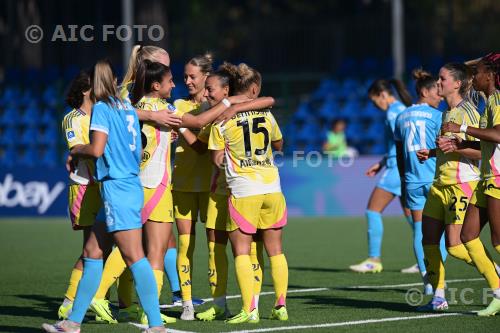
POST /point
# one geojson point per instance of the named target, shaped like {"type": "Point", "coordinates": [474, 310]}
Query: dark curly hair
{"type": "Point", "coordinates": [78, 86]}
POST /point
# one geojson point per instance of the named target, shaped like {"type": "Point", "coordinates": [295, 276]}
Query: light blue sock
{"type": "Point", "coordinates": [418, 248]}
{"type": "Point", "coordinates": [375, 233]}
{"type": "Point", "coordinates": [442, 247]}
{"type": "Point", "coordinates": [409, 219]}
{"type": "Point", "coordinates": [92, 273]}
{"type": "Point", "coordinates": [170, 262]}
{"type": "Point", "coordinates": [145, 286]}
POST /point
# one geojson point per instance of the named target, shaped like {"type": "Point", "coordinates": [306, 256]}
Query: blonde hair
{"type": "Point", "coordinates": [103, 83]}
{"type": "Point", "coordinates": [205, 62]}
{"type": "Point", "coordinates": [139, 54]}
{"type": "Point", "coordinates": [246, 76]}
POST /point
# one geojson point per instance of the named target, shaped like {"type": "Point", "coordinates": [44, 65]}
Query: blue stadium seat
{"type": "Point", "coordinates": [27, 156]}
{"type": "Point", "coordinates": [7, 156]}
{"type": "Point", "coordinates": [10, 116]}
{"type": "Point", "coordinates": [31, 116]}
{"type": "Point", "coordinates": [48, 117]}
{"type": "Point", "coordinates": [48, 157]}
{"type": "Point", "coordinates": [303, 112]}
{"type": "Point", "coordinates": [51, 97]}
{"type": "Point", "coordinates": [326, 88]}
{"type": "Point", "coordinates": [10, 97]}
{"type": "Point", "coordinates": [28, 137]}
{"type": "Point", "coordinates": [329, 109]}
{"type": "Point", "coordinates": [8, 136]}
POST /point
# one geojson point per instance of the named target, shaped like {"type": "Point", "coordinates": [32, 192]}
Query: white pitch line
{"type": "Point", "coordinates": [346, 323]}
{"type": "Point", "coordinates": [410, 284]}
{"type": "Point", "coordinates": [295, 291]}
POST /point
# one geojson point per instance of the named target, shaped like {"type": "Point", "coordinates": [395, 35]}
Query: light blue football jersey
{"type": "Point", "coordinates": [417, 128]}
{"type": "Point", "coordinates": [122, 153]}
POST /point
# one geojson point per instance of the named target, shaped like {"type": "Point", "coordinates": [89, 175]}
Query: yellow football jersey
{"type": "Point", "coordinates": [218, 183]}
{"type": "Point", "coordinates": [490, 152]}
{"type": "Point", "coordinates": [452, 168]}
{"type": "Point", "coordinates": [75, 127]}
{"type": "Point", "coordinates": [246, 140]}
{"type": "Point", "coordinates": [125, 91]}
{"type": "Point", "coordinates": [155, 164]}
{"type": "Point", "coordinates": [191, 170]}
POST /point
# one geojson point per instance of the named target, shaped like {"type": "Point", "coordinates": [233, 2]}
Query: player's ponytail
{"type": "Point", "coordinates": [423, 80]}
{"type": "Point", "coordinates": [246, 76]}
{"type": "Point", "coordinates": [79, 85]}
{"type": "Point", "coordinates": [139, 54]}
{"type": "Point", "coordinates": [381, 85]}
{"type": "Point", "coordinates": [403, 93]}
{"type": "Point", "coordinates": [148, 72]}
{"type": "Point", "coordinates": [103, 83]}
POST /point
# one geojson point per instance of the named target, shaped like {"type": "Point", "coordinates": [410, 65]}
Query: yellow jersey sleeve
{"type": "Point", "coordinates": [216, 139]}
{"type": "Point", "coordinates": [76, 128]}
{"type": "Point", "coordinates": [495, 117]}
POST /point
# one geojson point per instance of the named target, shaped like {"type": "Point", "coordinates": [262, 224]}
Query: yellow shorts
{"type": "Point", "coordinates": [158, 204]}
{"type": "Point", "coordinates": [492, 188]}
{"type": "Point", "coordinates": [84, 204]}
{"type": "Point", "coordinates": [217, 214]}
{"type": "Point", "coordinates": [190, 205]}
{"type": "Point", "coordinates": [449, 203]}
{"type": "Point", "coordinates": [263, 211]}
{"type": "Point", "coordinates": [479, 198]}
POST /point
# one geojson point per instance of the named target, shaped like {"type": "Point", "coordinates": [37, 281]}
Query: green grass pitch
{"type": "Point", "coordinates": [37, 256]}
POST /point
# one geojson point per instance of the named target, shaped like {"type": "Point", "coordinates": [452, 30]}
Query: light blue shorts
{"type": "Point", "coordinates": [390, 181]}
{"type": "Point", "coordinates": [415, 198]}
{"type": "Point", "coordinates": [123, 200]}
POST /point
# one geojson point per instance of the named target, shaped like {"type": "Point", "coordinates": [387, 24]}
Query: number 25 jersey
{"type": "Point", "coordinates": [246, 140]}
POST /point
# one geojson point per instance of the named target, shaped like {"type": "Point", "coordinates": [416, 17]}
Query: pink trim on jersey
{"type": "Point", "coordinates": [282, 222]}
{"type": "Point", "coordinates": [242, 223]}
{"type": "Point", "coordinates": [466, 188]}
{"type": "Point", "coordinates": [152, 203]}
{"type": "Point", "coordinates": [496, 178]}
{"type": "Point", "coordinates": [160, 190]}
{"type": "Point", "coordinates": [77, 204]}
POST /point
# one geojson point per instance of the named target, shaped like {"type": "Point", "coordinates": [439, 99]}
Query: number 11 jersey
{"type": "Point", "coordinates": [246, 140]}
{"type": "Point", "coordinates": [417, 128]}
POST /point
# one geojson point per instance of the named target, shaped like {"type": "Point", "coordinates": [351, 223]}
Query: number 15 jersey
{"type": "Point", "coordinates": [246, 140]}
{"type": "Point", "coordinates": [417, 128]}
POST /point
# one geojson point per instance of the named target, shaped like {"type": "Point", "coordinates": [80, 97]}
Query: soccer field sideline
{"type": "Point", "coordinates": [326, 325]}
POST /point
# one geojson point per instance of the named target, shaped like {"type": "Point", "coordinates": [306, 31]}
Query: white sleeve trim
{"type": "Point", "coordinates": [99, 129]}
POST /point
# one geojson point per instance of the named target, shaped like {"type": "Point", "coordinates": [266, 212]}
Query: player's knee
{"type": "Point", "coordinates": [93, 251]}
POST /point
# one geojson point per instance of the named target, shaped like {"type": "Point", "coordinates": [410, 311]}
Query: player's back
{"type": "Point", "coordinates": [417, 128]}
{"type": "Point", "coordinates": [250, 166]}
{"type": "Point", "coordinates": [122, 151]}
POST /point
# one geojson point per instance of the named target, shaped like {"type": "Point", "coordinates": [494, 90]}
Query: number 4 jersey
{"type": "Point", "coordinates": [246, 140]}
{"type": "Point", "coordinates": [417, 128]}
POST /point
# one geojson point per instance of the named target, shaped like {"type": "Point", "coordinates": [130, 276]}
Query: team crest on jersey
{"type": "Point", "coordinates": [171, 107]}
{"type": "Point", "coordinates": [70, 135]}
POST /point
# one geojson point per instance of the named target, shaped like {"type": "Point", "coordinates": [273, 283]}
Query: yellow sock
{"type": "Point", "coordinates": [185, 263]}
{"type": "Point", "coordinates": [460, 252]}
{"type": "Point", "coordinates": [113, 268]}
{"type": "Point", "coordinates": [257, 257]}
{"type": "Point", "coordinates": [126, 289]}
{"type": "Point", "coordinates": [279, 272]}
{"type": "Point", "coordinates": [434, 265]}
{"type": "Point", "coordinates": [244, 275]}
{"type": "Point", "coordinates": [217, 269]}
{"type": "Point", "coordinates": [159, 280]}
{"type": "Point", "coordinates": [74, 280]}
{"type": "Point", "coordinates": [483, 262]}
{"type": "Point", "coordinates": [497, 248]}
